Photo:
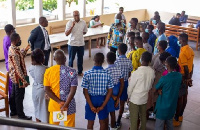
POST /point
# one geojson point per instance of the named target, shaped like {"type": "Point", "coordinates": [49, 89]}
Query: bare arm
{"type": "Point", "coordinates": [51, 94]}
{"type": "Point", "coordinates": [121, 88]}
{"type": "Point", "coordinates": [70, 30]}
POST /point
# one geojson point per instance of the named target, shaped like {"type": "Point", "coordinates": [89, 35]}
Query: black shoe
{"type": "Point", "coordinates": [26, 118]}
{"type": "Point", "coordinates": [13, 114]}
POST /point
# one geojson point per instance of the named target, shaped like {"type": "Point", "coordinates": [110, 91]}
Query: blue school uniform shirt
{"type": "Point", "coordinates": [125, 64]}
{"type": "Point", "coordinates": [97, 81]}
{"type": "Point", "coordinates": [166, 102]}
{"type": "Point", "coordinates": [152, 40]}
{"type": "Point", "coordinates": [160, 38]}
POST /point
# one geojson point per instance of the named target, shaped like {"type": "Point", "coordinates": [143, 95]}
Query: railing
{"type": "Point", "coordinates": [31, 124]}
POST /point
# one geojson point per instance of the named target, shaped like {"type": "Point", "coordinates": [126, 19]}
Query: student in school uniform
{"type": "Point", "coordinates": [159, 69]}
{"type": "Point", "coordinates": [146, 45]}
{"type": "Point", "coordinates": [118, 81]}
{"type": "Point", "coordinates": [60, 83]}
{"type": "Point", "coordinates": [152, 36]}
{"type": "Point", "coordinates": [140, 83]}
{"type": "Point", "coordinates": [168, 88]}
{"type": "Point", "coordinates": [160, 32]}
{"type": "Point", "coordinates": [138, 53]}
{"type": "Point", "coordinates": [125, 64]}
{"type": "Point", "coordinates": [126, 41]}
{"type": "Point", "coordinates": [97, 87]}
{"type": "Point", "coordinates": [132, 46]}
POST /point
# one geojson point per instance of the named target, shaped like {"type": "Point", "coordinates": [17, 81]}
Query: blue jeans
{"type": "Point", "coordinates": [72, 50]}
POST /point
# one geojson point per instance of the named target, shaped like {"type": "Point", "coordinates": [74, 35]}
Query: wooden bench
{"type": "Point", "coordinates": [4, 82]}
{"type": "Point", "coordinates": [193, 33]}
{"type": "Point", "coordinates": [192, 20]}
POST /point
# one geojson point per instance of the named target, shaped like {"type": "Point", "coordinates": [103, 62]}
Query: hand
{"type": "Point", "coordinates": [99, 109]}
{"type": "Point", "coordinates": [117, 102]}
{"type": "Point", "coordinates": [25, 84]}
{"type": "Point", "coordinates": [114, 97]}
{"type": "Point", "coordinates": [127, 101]}
{"type": "Point", "coordinates": [73, 24]}
{"type": "Point", "coordinates": [27, 47]}
{"type": "Point", "coordinates": [93, 109]}
{"type": "Point", "coordinates": [47, 97]}
{"type": "Point", "coordinates": [63, 108]}
{"type": "Point", "coordinates": [188, 82]}
{"type": "Point", "coordinates": [61, 103]}
{"type": "Point", "coordinates": [160, 91]}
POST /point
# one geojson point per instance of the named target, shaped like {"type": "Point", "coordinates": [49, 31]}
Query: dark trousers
{"type": "Point", "coordinates": [46, 55]}
{"type": "Point", "coordinates": [112, 49]}
{"type": "Point", "coordinates": [72, 50]}
{"type": "Point", "coordinates": [16, 100]}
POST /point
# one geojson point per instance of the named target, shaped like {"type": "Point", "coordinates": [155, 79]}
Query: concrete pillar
{"type": "Point", "coordinates": [38, 9]}
{"type": "Point", "coordinates": [12, 12]}
{"type": "Point", "coordinates": [102, 6]}
{"type": "Point", "coordinates": [61, 9]}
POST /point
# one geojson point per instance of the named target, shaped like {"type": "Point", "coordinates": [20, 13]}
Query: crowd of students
{"type": "Point", "coordinates": [145, 70]}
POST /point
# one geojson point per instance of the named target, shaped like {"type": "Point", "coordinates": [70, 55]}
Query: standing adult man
{"type": "Point", "coordinates": [17, 73]}
{"type": "Point", "coordinates": [9, 29]}
{"type": "Point", "coordinates": [75, 29]}
{"type": "Point", "coordinates": [39, 38]}
{"type": "Point", "coordinates": [121, 11]}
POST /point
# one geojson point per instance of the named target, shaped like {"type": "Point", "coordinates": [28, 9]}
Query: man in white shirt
{"type": "Point", "coordinates": [75, 29]}
{"type": "Point", "coordinates": [140, 83]}
{"type": "Point", "coordinates": [121, 10]}
{"type": "Point", "coordinates": [39, 38]}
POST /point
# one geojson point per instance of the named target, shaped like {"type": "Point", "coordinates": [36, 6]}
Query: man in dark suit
{"type": "Point", "coordinates": [39, 38]}
{"type": "Point", "coordinates": [175, 20]}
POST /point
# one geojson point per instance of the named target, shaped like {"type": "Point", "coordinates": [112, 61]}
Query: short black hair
{"type": "Point", "coordinates": [183, 11]}
{"type": "Point", "coordinates": [163, 56]}
{"type": "Point", "coordinates": [162, 26]}
{"type": "Point", "coordinates": [184, 37]}
{"type": "Point", "coordinates": [121, 8]}
{"type": "Point", "coordinates": [135, 20]}
{"type": "Point", "coordinates": [178, 14]}
{"type": "Point", "coordinates": [8, 28]}
{"type": "Point", "coordinates": [138, 38]}
{"type": "Point", "coordinates": [99, 58]}
{"type": "Point", "coordinates": [37, 56]}
{"type": "Point", "coordinates": [163, 44]}
{"type": "Point", "coordinates": [157, 17]}
{"type": "Point", "coordinates": [132, 39]}
{"type": "Point", "coordinates": [151, 26]}
{"type": "Point", "coordinates": [14, 37]}
{"type": "Point", "coordinates": [146, 35]}
{"type": "Point", "coordinates": [172, 62]}
{"type": "Point", "coordinates": [146, 57]}
{"type": "Point", "coordinates": [111, 57]}
{"type": "Point", "coordinates": [131, 34]}
{"type": "Point", "coordinates": [156, 13]}
{"type": "Point", "coordinates": [122, 48]}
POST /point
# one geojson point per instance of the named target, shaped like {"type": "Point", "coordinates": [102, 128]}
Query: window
{"type": "Point", "coordinates": [111, 6]}
{"type": "Point", "coordinates": [50, 9]}
{"type": "Point", "coordinates": [93, 7]}
{"type": "Point", "coordinates": [3, 16]}
{"type": "Point", "coordinates": [71, 6]}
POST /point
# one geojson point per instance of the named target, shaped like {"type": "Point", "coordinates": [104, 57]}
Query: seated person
{"type": "Point", "coordinates": [198, 24]}
{"type": "Point", "coordinates": [121, 10]}
{"type": "Point", "coordinates": [95, 23]}
{"type": "Point", "coordinates": [183, 18]}
{"type": "Point", "coordinates": [152, 36]}
{"type": "Point", "coordinates": [155, 13]}
{"type": "Point", "coordinates": [146, 45]}
{"type": "Point", "coordinates": [175, 20]}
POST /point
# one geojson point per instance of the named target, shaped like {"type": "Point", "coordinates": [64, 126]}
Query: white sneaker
{"type": "Point", "coordinates": [126, 108]}
{"type": "Point", "coordinates": [126, 115]}
{"type": "Point", "coordinates": [152, 116]}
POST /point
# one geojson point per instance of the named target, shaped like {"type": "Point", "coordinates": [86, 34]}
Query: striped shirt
{"type": "Point", "coordinates": [125, 65]}
{"type": "Point", "coordinates": [97, 81]}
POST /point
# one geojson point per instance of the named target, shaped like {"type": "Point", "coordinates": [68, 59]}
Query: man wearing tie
{"type": "Point", "coordinates": [39, 38]}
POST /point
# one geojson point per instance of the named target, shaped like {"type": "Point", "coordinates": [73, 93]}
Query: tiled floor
{"type": "Point", "coordinates": [191, 116]}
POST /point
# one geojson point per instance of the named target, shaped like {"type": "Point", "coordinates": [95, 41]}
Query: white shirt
{"type": "Point", "coordinates": [123, 17]}
{"type": "Point", "coordinates": [76, 36]}
{"type": "Point", "coordinates": [147, 47]}
{"type": "Point", "coordinates": [140, 83]}
{"type": "Point", "coordinates": [46, 38]}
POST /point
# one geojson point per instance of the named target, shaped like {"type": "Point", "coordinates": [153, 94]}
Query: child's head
{"type": "Point", "coordinates": [146, 58]}
{"type": "Point", "coordinates": [183, 39]}
{"type": "Point", "coordinates": [111, 57]}
{"type": "Point", "coordinates": [145, 37]}
{"type": "Point", "coordinates": [133, 22]}
{"type": "Point", "coordinates": [59, 57]}
{"type": "Point", "coordinates": [9, 29]}
{"type": "Point", "coordinates": [15, 39]}
{"type": "Point", "coordinates": [122, 49]}
{"type": "Point", "coordinates": [171, 63]}
{"type": "Point", "coordinates": [149, 29]}
{"type": "Point", "coordinates": [138, 42]}
{"type": "Point", "coordinates": [37, 57]}
{"type": "Point", "coordinates": [162, 45]}
{"type": "Point", "coordinates": [132, 42]}
{"type": "Point", "coordinates": [121, 10]}
{"type": "Point", "coordinates": [130, 34]}
{"type": "Point", "coordinates": [161, 28]}
{"type": "Point", "coordinates": [98, 59]}
{"type": "Point", "coordinates": [163, 56]}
